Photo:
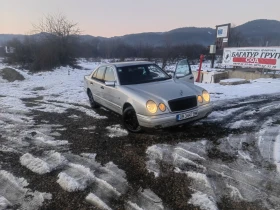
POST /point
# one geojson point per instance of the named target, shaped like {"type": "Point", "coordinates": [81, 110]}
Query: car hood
{"type": "Point", "coordinates": [166, 90]}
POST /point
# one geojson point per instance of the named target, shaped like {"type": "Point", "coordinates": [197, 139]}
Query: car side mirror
{"type": "Point", "coordinates": [110, 83]}
{"type": "Point", "coordinates": [179, 75]}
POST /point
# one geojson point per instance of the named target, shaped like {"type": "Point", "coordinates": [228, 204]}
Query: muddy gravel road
{"type": "Point", "coordinates": [83, 159]}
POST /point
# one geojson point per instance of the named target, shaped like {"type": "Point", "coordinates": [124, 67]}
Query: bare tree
{"type": "Point", "coordinates": [59, 35]}
{"type": "Point", "coordinates": [57, 25]}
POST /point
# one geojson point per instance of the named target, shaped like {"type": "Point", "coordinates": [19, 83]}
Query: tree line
{"type": "Point", "coordinates": [56, 41]}
{"type": "Point", "coordinates": [45, 52]}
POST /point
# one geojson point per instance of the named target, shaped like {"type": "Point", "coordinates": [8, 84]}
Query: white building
{"type": "Point", "coordinates": [9, 50]}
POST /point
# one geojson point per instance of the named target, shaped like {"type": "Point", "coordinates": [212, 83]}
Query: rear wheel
{"type": "Point", "coordinates": [130, 120]}
{"type": "Point", "coordinates": [92, 102]}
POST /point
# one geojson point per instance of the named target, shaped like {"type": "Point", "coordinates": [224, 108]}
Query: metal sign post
{"type": "Point", "coordinates": [222, 37]}
{"type": "Point", "coordinates": [213, 53]}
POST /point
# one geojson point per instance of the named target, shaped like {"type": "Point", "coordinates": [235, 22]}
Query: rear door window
{"type": "Point", "coordinates": [100, 74]}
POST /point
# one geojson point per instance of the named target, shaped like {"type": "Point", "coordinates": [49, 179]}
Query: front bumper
{"type": "Point", "coordinates": [168, 120]}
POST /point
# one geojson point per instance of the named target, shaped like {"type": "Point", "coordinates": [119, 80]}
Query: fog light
{"type": "Point", "coordinates": [200, 99]}
{"type": "Point", "coordinates": [162, 107]}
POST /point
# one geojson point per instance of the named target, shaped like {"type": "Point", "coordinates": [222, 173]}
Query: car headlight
{"type": "Point", "coordinates": [200, 99]}
{"type": "Point", "coordinates": [206, 96]}
{"type": "Point", "coordinates": [162, 107]}
{"type": "Point", "coordinates": [151, 106]}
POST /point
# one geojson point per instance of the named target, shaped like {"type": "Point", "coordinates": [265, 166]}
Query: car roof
{"type": "Point", "coordinates": [124, 64]}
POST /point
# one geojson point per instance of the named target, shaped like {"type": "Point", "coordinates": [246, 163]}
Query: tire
{"type": "Point", "coordinates": [92, 102]}
{"type": "Point", "coordinates": [130, 121]}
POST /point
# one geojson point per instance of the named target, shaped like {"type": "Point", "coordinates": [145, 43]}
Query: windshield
{"type": "Point", "coordinates": [138, 74]}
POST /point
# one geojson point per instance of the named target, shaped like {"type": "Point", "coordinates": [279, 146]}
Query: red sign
{"type": "Point", "coordinates": [255, 60]}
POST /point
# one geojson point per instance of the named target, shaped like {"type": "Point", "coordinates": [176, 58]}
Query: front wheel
{"type": "Point", "coordinates": [130, 120]}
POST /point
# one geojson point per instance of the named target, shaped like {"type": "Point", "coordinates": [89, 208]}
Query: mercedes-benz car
{"type": "Point", "coordinates": [146, 96]}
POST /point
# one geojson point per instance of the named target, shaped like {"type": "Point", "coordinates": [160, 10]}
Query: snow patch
{"type": "Point", "coordinates": [94, 200]}
{"type": "Point", "coordinates": [180, 161]}
{"type": "Point", "coordinates": [155, 152]}
{"type": "Point", "coordinates": [220, 115]}
{"type": "Point", "coordinates": [4, 148]}
{"type": "Point", "coordinates": [89, 155]}
{"type": "Point", "coordinates": [132, 206]}
{"type": "Point", "coordinates": [34, 164]}
{"type": "Point", "coordinates": [116, 131]}
{"type": "Point", "coordinates": [233, 80]}
{"type": "Point", "coordinates": [75, 178]}
{"type": "Point", "coordinates": [89, 128]}
{"type": "Point", "coordinates": [106, 185]}
{"type": "Point", "coordinates": [50, 141]}
{"type": "Point", "coordinates": [13, 192]}
{"type": "Point", "coordinates": [4, 203]}
{"type": "Point", "coordinates": [46, 164]}
{"type": "Point", "coordinates": [235, 193]}
{"type": "Point", "coordinates": [245, 155]}
{"type": "Point", "coordinates": [242, 124]}
{"type": "Point", "coordinates": [276, 152]}
{"type": "Point", "coordinates": [199, 177]}
{"type": "Point", "coordinates": [256, 87]}
{"type": "Point", "coordinates": [203, 201]}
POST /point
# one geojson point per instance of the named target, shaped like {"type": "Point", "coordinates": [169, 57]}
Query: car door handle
{"type": "Point", "coordinates": [102, 87]}
{"type": "Point", "coordinates": [91, 83]}
{"type": "Point", "coordinates": [191, 77]}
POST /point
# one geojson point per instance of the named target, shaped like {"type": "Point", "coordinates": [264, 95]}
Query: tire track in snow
{"type": "Point", "coordinates": [246, 176]}
{"type": "Point", "coordinates": [79, 172]}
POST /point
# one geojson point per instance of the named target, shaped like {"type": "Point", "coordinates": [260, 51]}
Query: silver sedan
{"type": "Point", "coordinates": [146, 96]}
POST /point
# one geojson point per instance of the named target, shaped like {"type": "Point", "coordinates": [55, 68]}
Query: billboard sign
{"type": "Point", "coordinates": [253, 57]}
{"type": "Point", "coordinates": [222, 31]}
{"type": "Point", "coordinates": [222, 36]}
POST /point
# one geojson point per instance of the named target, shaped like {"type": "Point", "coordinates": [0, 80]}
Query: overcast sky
{"type": "Point", "coordinates": [118, 17]}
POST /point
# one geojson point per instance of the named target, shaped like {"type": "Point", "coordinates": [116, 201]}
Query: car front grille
{"type": "Point", "coordinates": [182, 103]}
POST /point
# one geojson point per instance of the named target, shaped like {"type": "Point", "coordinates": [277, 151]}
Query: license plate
{"type": "Point", "coordinates": [186, 115]}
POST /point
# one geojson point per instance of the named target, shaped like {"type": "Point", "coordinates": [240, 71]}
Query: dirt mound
{"type": "Point", "coordinates": [11, 75]}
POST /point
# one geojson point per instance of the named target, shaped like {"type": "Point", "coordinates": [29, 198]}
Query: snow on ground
{"type": "Point", "coordinates": [83, 172]}
{"type": "Point", "coordinates": [13, 192]}
{"type": "Point", "coordinates": [75, 177]}
{"type": "Point", "coordinates": [233, 80]}
{"type": "Point", "coordinates": [116, 131]}
{"type": "Point", "coordinates": [94, 200]}
{"type": "Point", "coordinates": [51, 160]}
{"type": "Point", "coordinates": [63, 85]}
{"type": "Point", "coordinates": [146, 199]}
{"type": "Point", "coordinates": [63, 89]}
{"type": "Point", "coordinates": [250, 155]}
{"type": "Point", "coordinates": [276, 152]}
{"type": "Point", "coordinates": [242, 124]}
{"type": "Point", "coordinates": [203, 201]}
{"type": "Point", "coordinates": [4, 203]}
{"type": "Point", "coordinates": [212, 178]}
{"type": "Point", "coordinates": [256, 87]}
